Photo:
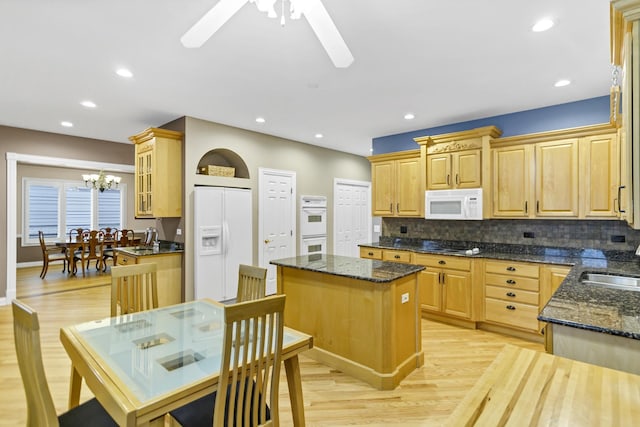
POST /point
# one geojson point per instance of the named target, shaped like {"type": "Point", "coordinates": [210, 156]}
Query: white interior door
{"type": "Point", "coordinates": [277, 225]}
{"type": "Point", "coordinates": [352, 216]}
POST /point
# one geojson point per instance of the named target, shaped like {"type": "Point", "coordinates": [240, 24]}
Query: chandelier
{"type": "Point", "coordinates": [100, 181]}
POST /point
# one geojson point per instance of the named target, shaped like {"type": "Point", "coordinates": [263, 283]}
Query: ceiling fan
{"type": "Point", "coordinates": [313, 10]}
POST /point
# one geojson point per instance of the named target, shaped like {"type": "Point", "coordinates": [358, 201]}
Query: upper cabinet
{"type": "Point", "coordinates": [158, 173]}
{"type": "Point", "coordinates": [397, 181]}
{"type": "Point", "coordinates": [572, 173]}
{"type": "Point", "coordinates": [454, 160]}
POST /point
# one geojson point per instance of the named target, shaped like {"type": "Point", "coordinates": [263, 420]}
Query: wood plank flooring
{"type": "Point", "coordinates": [454, 359]}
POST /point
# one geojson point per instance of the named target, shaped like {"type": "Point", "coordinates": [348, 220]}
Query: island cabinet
{"type": "Point", "coordinates": [158, 173]}
{"type": "Point", "coordinates": [397, 184]}
{"type": "Point", "coordinates": [363, 314]}
{"type": "Point", "coordinates": [169, 275]}
{"type": "Point", "coordinates": [571, 173]}
{"type": "Point", "coordinates": [446, 286]}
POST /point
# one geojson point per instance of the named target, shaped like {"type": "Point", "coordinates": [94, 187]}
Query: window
{"type": "Point", "coordinates": [55, 207]}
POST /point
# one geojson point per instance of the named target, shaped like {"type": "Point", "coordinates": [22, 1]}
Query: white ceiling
{"type": "Point", "coordinates": [446, 61]}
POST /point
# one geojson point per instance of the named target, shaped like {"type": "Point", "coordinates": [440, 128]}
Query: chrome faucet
{"type": "Point", "coordinates": [638, 250]}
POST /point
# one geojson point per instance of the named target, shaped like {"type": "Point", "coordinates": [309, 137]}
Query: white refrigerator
{"type": "Point", "coordinates": [223, 240]}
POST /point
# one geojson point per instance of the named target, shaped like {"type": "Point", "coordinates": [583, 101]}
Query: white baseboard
{"type": "Point", "coordinates": [29, 264]}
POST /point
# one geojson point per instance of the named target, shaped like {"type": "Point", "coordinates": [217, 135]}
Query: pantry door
{"type": "Point", "coordinates": [352, 216]}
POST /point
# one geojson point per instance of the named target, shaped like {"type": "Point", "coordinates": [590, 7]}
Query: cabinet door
{"type": "Point", "coordinates": [599, 176]}
{"type": "Point", "coordinates": [511, 181]}
{"type": "Point", "coordinates": [457, 294]}
{"type": "Point", "coordinates": [557, 178]}
{"type": "Point", "coordinates": [438, 171]}
{"type": "Point", "coordinates": [383, 177]}
{"type": "Point", "coordinates": [143, 182]}
{"type": "Point", "coordinates": [408, 200]}
{"type": "Point", "coordinates": [467, 169]}
{"type": "Point", "coordinates": [430, 290]}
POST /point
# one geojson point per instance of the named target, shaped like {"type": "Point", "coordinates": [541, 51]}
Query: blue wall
{"type": "Point", "coordinates": [573, 114]}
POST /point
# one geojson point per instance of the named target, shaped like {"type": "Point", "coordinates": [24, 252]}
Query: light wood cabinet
{"type": "Point", "coordinates": [456, 170]}
{"type": "Point", "coordinates": [572, 173]}
{"type": "Point", "coordinates": [371, 253]}
{"type": "Point", "coordinates": [512, 294]}
{"type": "Point", "coordinates": [397, 181]}
{"type": "Point", "coordinates": [169, 275]}
{"type": "Point", "coordinates": [158, 173]}
{"type": "Point", "coordinates": [386, 255]}
{"type": "Point", "coordinates": [445, 285]}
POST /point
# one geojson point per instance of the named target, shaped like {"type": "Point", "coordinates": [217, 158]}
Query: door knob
{"type": "Point", "coordinates": [267, 241]}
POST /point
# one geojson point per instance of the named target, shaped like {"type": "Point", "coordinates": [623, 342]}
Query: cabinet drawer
{"type": "Point", "coordinates": [512, 268]}
{"type": "Point", "coordinates": [124, 259]}
{"type": "Point", "coordinates": [516, 295]}
{"type": "Point", "coordinates": [397, 256]}
{"type": "Point", "coordinates": [515, 282]}
{"type": "Point", "coordinates": [512, 314]}
{"type": "Point", "coordinates": [371, 253]}
{"type": "Point", "coordinates": [446, 262]}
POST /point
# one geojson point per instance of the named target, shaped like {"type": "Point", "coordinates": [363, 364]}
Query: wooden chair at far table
{"type": "Point", "coordinates": [40, 408]}
{"type": "Point", "coordinates": [252, 282]}
{"type": "Point", "coordinates": [110, 242]}
{"type": "Point", "coordinates": [51, 254]}
{"type": "Point", "coordinates": [253, 333]}
{"type": "Point", "coordinates": [91, 248]}
{"type": "Point", "coordinates": [133, 288]}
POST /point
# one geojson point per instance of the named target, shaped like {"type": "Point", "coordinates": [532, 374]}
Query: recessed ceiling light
{"type": "Point", "coordinates": [260, 120]}
{"type": "Point", "coordinates": [123, 72]}
{"type": "Point", "coordinates": [563, 82]}
{"type": "Point", "coordinates": [66, 124]}
{"type": "Point", "coordinates": [319, 135]}
{"type": "Point", "coordinates": [542, 25]}
{"type": "Point", "coordinates": [88, 104]}
{"type": "Point", "coordinates": [409, 116]}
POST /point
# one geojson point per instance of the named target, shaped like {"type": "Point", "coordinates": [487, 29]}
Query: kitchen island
{"type": "Point", "coordinates": [364, 315]}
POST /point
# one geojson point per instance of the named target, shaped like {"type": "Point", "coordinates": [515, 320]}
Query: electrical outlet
{"type": "Point", "coordinates": [618, 238]}
{"type": "Point", "coordinates": [404, 298]}
{"type": "Point", "coordinates": [403, 229]}
{"type": "Point", "coordinates": [529, 235]}
{"type": "Point", "coordinates": [179, 232]}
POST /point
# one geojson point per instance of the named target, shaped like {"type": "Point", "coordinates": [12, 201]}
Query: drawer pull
{"type": "Point", "coordinates": [370, 253]}
{"type": "Point", "coordinates": [511, 268]}
{"type": "Point", "coordinates": [510, 307]}
{"type": "Point", "coordinates": [442, 262]}
{"type": "Point", "coordinates": [511, 294]}
{"type": "Point", "coordinates": [396, 256]}
{"type": "Point", "coordinates": [511, 282]}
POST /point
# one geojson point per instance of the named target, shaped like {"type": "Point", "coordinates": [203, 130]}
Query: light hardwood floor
{"type": "Point", "coordinates": [454, 359]}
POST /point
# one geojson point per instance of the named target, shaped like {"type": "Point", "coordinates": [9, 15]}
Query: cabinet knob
{"type": "Point", "coordinates": [510, 307]}
{"type": "Point", "coordinates": [511, 282]}
{"type": "Point", "coordinates": [396, 256]}
{"type": "Point", "coordinates": [442, 262]}
{"type": "Point", "coordinates": [370, 253]}
{"type": "Point", "coordinates": [511, 268]}
{"type": "Point", "coordinates": [511, 294]}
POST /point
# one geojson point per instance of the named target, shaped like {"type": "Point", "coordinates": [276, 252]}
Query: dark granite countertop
{"type": "Point", "coordinates": [592, 307]}
{"type": "Point", "coordinates": [164, 249]}
{"type": "Point", "coordinates": [354, 268]}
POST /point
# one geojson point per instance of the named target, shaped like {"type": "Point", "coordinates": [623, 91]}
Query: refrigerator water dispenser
{"type": "Point", "coordinates": [210, 240]}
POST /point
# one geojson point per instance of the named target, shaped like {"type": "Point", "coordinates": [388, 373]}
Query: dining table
{"type": "Point", "coordinates": [142, 365]}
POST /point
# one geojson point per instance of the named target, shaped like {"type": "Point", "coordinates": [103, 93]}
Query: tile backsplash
{"type": "Point", "coordinates": [553, 233]}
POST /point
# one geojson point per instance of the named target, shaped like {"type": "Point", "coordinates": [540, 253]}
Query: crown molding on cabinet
{"type": "Point", "coordinates": [576, 132]}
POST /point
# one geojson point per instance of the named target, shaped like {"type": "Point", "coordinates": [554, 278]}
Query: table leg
{"type": "Point", "coordinates": [74, 388]}
{"type": "Point", "coordinates": [292, 368]}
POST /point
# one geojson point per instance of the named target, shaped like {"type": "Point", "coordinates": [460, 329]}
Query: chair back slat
{"type": "Point", "coordinates": [250, 366]}
{"type": "Point", "coordinates": [251, 282]}
{"type": "Point", "coordinates": [41, 410]}
{"type": "Point", "coordinates": [133, 288]}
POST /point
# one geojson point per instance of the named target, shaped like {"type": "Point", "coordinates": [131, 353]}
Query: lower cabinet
{"type": "Point", "coordinates": [512, 294]}
{"type": "Point", "coordinates": [445, 285]}
{"type": "Point", "coordinates": [169, 276]}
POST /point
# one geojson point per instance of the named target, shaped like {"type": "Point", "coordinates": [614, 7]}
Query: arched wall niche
{"type": "Point", "coordinates": [225, 157]}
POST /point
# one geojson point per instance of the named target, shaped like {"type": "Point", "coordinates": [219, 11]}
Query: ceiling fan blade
{"type": "Point", "coordinates": [211, 22]}
{"type": "Point", "coordinates": [327, 32]}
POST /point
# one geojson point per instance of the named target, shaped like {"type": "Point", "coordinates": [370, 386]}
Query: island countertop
{"type": "Point", "coordinates": [355, 268]}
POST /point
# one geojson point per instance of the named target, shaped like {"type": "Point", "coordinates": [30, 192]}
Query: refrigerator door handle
{"type": "Point", "coordinates": [225, 238]}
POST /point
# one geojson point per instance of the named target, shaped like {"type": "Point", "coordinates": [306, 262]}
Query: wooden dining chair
{"type": "Point", "coordinates": [252, 282]}
{"type": "Point", "coordinates": [51, 254]}
{"type": "Point", "coordinates": [253, 336]}
{"type": "Point", "coordinates": [110, 241]}
{"type": "Point", "coordinates": [133, 288]}
{"type": "Point", "coordinates": [41, 410]}
{"type": "Point", "coordinates": [91, 248]}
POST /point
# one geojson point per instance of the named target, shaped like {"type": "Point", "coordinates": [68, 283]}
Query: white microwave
{"type": "Point", "coordinates": [453, 204]}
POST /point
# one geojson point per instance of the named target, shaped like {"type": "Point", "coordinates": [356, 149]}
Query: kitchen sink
{"type": "Point", "coordinates": [611, 281]}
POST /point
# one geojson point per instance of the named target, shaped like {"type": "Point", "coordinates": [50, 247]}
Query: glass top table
{"type": "Point", "coordinates": [145, 360]}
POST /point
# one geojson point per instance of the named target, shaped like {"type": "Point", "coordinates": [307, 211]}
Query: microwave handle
{"type": "Point", "coordinates": [465, 207]}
